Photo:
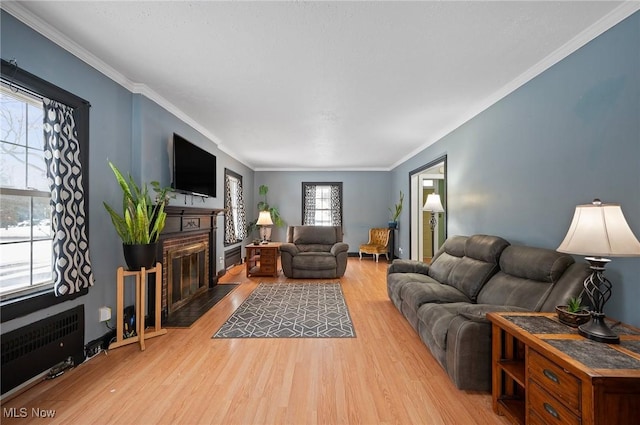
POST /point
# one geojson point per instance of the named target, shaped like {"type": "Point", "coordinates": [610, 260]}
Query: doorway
{"type": "Point", "coordinates": [428, 229]}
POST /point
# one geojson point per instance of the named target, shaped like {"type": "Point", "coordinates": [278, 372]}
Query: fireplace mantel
{"type": "Point", "coordinates": [183, 219]}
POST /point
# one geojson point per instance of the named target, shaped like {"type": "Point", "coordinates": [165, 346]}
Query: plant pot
{"type": "Point", "coordinates": [393, 224]}
{"type": "Point", "coordinates": [572, 319]}
{"type": "Point", "coordinates": [139, 256]}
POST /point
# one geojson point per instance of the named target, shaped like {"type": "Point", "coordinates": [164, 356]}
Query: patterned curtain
{"type": "Point", "coordinates": [309, 206]}
{"type": "Point", "coordinates": [71, 264]}
{"type": "Point", "coordinates": [241, 218]}
{"type": "Point", "coordinates": [229, 226]}
{"type": "Point", "coordinates": [336, 208]}
{"type": "Point", "coordinates": [235, 230]}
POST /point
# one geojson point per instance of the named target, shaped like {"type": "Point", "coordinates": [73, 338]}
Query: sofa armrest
{"type": "Point", "coordinates": [339, 247]}
{"type": "Point", "coordinates": [289, 248]}
{"type": "Point", "coordinates": [478, 312]}
{"type": "Point", "coordinates": [408, 266]}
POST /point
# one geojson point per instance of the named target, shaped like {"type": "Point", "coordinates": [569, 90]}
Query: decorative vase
{"type": "Point", "coordinates": [139, 256]}
{"type": "Point", "coordinates": [572, 319]}
{"type": "Point", "coordinates": [393, 224]}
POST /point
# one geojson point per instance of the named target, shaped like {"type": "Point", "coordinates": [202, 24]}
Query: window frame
{"type": "Point", "coordinates": [304, 186]}
{"type": "Point", "coordinates": [23, 304]}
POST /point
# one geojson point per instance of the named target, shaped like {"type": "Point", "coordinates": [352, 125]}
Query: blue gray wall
{"type": "Point", "coordinates": [364, 196]}
{"type": "Point", "coordinates": [572, 134]}
{"type": "Point", "coordinates": [128, 129]}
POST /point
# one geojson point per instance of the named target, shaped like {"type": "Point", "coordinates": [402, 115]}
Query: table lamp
{"type": "Point", "coordinates": [599, 230]}
{"type": "Point", "coordinates": [264, 220]}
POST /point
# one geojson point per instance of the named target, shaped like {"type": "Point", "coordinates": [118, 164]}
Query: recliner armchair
{"type": "Point", "coordinates": [314, 252]}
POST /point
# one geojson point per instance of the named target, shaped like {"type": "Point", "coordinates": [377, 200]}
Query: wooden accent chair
{"type": "Point", "coordinates": [378, 243]}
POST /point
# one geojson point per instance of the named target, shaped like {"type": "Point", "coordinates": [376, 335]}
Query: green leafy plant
{"type": "Point", "coordinates": [141, 221]}
{"type": "Point", "coordinates": [397, 208]}
{"type": "Point", "coordinates": [574, 305]}
{"type": "Point", "coordinates": [263, 205]}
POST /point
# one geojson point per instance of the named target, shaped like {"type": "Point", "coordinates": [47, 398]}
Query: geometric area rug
{"type": "Point", "coordinates": [291, 310]}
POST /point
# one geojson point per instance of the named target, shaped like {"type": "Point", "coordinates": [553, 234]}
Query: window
{"type": "Point", "coordinates": [322, 204]}
{"type": "Point", "coordinates": [235, 225]}
{"type": "Point", "coordinates": [25, 217]}
{"type": "Point", "coordinates": [33, 259]}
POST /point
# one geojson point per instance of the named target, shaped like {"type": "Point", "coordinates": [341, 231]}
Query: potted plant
{"type": "Point", "coordinates": [263, 205]}
{"type": "Point", "coordinates": [395, 212]}
{"type": "Point", "coordinates": [141, 221]}
{"type": "Point", "coordinates": [574, 313]}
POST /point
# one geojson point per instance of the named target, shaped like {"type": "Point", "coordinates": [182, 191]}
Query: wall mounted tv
{"type": "Point", "coordinates": [194, 169]}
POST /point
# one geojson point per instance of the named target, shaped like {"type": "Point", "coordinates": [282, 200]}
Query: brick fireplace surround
{"type": "Point", "coordinates": [186, 227]}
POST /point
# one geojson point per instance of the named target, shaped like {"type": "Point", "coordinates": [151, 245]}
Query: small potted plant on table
{"type": "Point", "coordinates": [574, 313]}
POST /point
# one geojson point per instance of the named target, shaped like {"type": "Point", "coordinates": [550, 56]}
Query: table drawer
{"type": "Point", "coordinates": [266, 258]}
{"type": "Point", "coordinates": [554, 379]}
{"type": "Point", "coordinates": [547, 408]}
{"type": "Point", "coordinates": [267, 268]}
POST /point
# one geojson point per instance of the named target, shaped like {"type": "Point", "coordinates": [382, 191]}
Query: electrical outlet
{"type": "Point", "coordinates": [400, 250]}
{"type": "Point", "coordinates": [105, 314]}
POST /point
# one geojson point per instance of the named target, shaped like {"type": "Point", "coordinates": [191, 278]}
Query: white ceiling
{"type": "Point", "coordinates": [322, 85]}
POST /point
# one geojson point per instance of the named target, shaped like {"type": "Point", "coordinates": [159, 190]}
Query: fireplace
{"type": "Point", "coordinates": [187, 249]}
{"type": "Point", "coordinates": [187, 273]}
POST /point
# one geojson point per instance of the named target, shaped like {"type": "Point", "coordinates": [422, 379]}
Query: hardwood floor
{"type": "Point", "coordinates": [383, 376]}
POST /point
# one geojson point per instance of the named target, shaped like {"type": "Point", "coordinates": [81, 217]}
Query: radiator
{"type": "Point", "coordinates": [232, 257]}
{"type": "Point", "coordinates": [35, 348]}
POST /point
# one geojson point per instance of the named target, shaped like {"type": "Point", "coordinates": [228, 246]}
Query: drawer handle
{"type": "Point", "coordinates": [553, 412]}
{"type": "Point", "coordinates": [551, 376]}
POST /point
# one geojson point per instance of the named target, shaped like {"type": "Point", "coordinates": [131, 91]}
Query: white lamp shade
{"type": "Point", "coordinates": [264, 219]}
{"type": "Point", "coordinates": [433, 203]}
{"type": "Point", "coordinates": [600, 230]}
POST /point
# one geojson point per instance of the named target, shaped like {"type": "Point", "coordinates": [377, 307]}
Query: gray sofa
{"type": "Point", "coordinates": [446, 302]}
{"type": "Point", "coordinates": [315, 252]}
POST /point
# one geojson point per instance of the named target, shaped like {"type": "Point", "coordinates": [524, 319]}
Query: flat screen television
{"type": "Point", "coordinates": [194, 169]}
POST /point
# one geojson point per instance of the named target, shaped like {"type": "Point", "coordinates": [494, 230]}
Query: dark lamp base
{"type": "Point", "coordinates": [597, 330]}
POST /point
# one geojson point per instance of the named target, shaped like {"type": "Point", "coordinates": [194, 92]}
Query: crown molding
{"type": "Point", "coordinates": [604, 24]}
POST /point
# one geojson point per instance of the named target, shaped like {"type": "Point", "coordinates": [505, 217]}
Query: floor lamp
{"type": "Point", "coordinates": [434, 205]}
{"type": "Point", "coordinates": [599, 230]}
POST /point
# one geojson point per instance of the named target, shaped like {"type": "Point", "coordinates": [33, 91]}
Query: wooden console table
{"type": "Point", "coordinates": [544, 372]}
{"type": "Point", "coordinates": [141, 283]}
{"type": "Point", "coordinates": [262, 259]}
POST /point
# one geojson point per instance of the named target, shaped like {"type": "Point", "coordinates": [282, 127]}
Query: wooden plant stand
{"type": "Point", "coordinates": [141, 284]}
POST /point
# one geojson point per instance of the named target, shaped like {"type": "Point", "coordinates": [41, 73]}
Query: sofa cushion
{"type": "Point", "coordinates": [434, 320]}
{"type": "Point", "coordinates": [468, 262]}
{"type": "Point", "coordinates": [323, 235]}
{"type": "Point", "coordinates": [415, 294]}
{"type": "Point", "coordinates": [526, 277]}
{"type": "Point", "coordinates": [314, 261]}
{"type": "Point", "coordinates": [314, 247]}
{"type": "Point", "coordinates": [478, 312]}
{"type": "Point", "coordinates": [539, 264]}
{"type": "Point", "coordinates": [485, 248]}
{"type": "Point", "coordinates": [505, 289]}
{"type": "Point", "coordinates": [469, 275]}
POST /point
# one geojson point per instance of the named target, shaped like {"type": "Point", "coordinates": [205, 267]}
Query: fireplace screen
{"type": "Point", "coordinates": [188, 274]}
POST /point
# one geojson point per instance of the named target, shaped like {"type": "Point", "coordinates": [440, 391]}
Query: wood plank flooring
{"type": "Point", "coordinates": [383, 376]}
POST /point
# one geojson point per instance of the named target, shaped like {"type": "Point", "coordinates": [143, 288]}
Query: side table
{"type": "Point", "coordinates": [140, 280]}
{"type": "Point", "coordinates": [262, 259]}
{"type": "Point", "coordinates": [544, 372]}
